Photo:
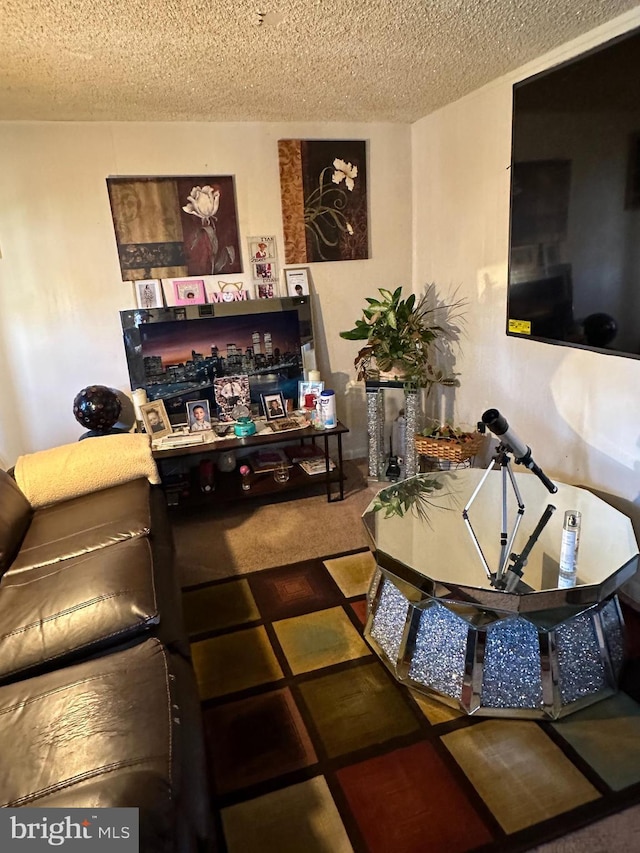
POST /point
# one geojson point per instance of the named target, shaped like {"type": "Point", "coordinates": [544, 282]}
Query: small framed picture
{"type": "Point", "coordinates": [230, 392]}
{"type": "Point", "coordinates": [308, 387]}
{"type": "Point", "coordinates": [297, 282]}
{"type": "Point", "coordinates": [185, 291]}
{"type": "Point", "coordinates": [155, 419]}
{"type": "Point", "coordinates": [265, 271]}
{"type": "Point", "coordinates": [261, 248]}
{"type": "Point", "coordinates": [199, 415]}
{"type": "Point", "coordinates": [274, 406]}
{"type": "Point", "coordinates": [265, 290]}
{"type": "Point", "coordinates": [148, 293]}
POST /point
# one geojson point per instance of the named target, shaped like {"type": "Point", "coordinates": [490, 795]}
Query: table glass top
{"type": "Point", "coordinates": [432, 538]}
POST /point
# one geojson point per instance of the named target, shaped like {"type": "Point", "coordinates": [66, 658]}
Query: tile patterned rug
{"type": "Point", "coordinates": [313, 746]}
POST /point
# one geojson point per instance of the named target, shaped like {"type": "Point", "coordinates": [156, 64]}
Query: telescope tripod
{"type": "Point", "coordinates": [506, 577]}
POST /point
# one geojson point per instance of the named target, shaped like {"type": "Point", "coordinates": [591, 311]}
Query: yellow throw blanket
{"type": "Point", "coordinates": [71, 470]}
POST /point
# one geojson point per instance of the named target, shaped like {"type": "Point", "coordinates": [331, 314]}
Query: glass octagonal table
{"type": "Point", "coordinates": [439, 623]}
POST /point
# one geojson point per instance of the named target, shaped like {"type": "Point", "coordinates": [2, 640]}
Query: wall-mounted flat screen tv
{"type": "Point", "coordinates": [176, 354]}
{"type": "Point", "coordinates": [574, 261]}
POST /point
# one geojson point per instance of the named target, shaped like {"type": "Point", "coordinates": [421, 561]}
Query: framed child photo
{"type": "Point", "coordinates": [184, 291]}
{"type": "Point", "coordinates": [274, 406]}
{"type": "Point", "coordinates": [199, 415]}
{"type": "Point", "coordinates": [265, 290]}
{"type": "Point", "coordinates": [261, 248]}
{"type": "Point", "coordinates": [148, 293]}
{"type": "Point", "coordinates": [155, 419]}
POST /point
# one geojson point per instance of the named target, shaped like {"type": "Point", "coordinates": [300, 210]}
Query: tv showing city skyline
{"type": "Point", "coordinates": [176, 354]}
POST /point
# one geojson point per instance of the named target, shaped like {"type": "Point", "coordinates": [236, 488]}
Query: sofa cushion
{"type": "Point", "coordinates": [103, 733]}
{"type": "Point", "coordinates": [61, 611]}
{"type": "Point", "coordinates": [15, 515]}
{"type": "Point", "coordinates": [84, 524]}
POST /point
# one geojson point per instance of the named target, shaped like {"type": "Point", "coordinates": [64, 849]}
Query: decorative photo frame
{"type": "Point", "coordinates": [148, 293]}
{"type": "Point", "coordinates": [186, 291]}
{"type": "Point", "coordinates": [265, 271]}
{"type": "Point", "coordinates": [229, 392]}
{"type": "Point", "coordinates": [199, 415]}
{"type": "Point", "coordinates": [265, 290]}
{"type": "Point", "coordinates": [262, 248]}
{"type": "Point", "coordinates": [155, 419]}
{"type": "Point", "coordinates": [297, 281]}
{"type": "Point", "coordinates": [309, 387]}
{"type": "Point", "coordinates": [274, 406]}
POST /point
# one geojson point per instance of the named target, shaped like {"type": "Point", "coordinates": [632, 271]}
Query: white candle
{"type": "Point", "coordinates": [314, 376]}
{"type": "Point", "coordinates": [139, 399]}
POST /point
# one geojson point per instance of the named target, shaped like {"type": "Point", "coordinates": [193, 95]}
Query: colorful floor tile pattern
{"type": "Point", "coordinates": [314, 748]}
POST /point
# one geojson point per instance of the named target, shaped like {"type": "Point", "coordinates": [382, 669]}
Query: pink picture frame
{"type": "Point", "coordinates": [189, 291]}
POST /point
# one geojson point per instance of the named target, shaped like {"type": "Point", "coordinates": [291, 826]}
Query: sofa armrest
{"type": "Point", "coordinates": [15, 517]}
{"type": "Point", "coordinates": [71, 470]}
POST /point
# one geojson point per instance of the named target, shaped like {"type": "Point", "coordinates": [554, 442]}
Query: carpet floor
{"type": "Point", "coordinates": [313, 747]}
{"type": "Point", "coordinates": [266, 532]}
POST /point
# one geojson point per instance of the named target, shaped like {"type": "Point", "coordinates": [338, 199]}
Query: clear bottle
{"type": "Point", "coordinates": [569, 549]}
{"type": "Point", "coordinates": [245, 473]}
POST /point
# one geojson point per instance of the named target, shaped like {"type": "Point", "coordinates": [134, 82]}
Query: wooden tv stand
{"type": "Point", "coordinates": [182, 482]}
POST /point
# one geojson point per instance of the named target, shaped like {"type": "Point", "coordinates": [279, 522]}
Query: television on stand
{"type": "Point", "coordinates": [176, 354]}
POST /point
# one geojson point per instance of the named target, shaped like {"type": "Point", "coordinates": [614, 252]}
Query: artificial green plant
{"type": "Point", "coordinates": [402, 336]}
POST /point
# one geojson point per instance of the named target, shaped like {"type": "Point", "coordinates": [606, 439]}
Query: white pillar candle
{"type": "Point", "coordinates": [314, 376]}
{"type": "Point", "coordinates": [139, 399]}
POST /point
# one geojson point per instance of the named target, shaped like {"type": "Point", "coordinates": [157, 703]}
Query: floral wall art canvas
{"type": "Point", "coordinates": [169, 227]}
{"type": "Point", "coordinates": [323, 186]}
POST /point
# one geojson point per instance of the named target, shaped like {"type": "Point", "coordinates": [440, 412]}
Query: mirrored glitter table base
{"type": "Point", "coordinates": [489, 663]}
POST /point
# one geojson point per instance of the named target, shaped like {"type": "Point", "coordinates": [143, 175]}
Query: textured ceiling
{"type": "Point", "coordinates": [269, 60]}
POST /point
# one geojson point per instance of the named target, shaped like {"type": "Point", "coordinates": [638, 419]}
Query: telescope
{"type": "Point", "coordinates": [510, 441]}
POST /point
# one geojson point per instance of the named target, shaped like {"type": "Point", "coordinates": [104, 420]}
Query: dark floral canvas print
{"type": "Point", "coordinates": [175, 226]}
{"type": "Point", "coordinates": [323, 185]}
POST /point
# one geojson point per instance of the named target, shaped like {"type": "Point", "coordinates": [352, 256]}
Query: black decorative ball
{"type": "Point", "coordinates": [97, 407]}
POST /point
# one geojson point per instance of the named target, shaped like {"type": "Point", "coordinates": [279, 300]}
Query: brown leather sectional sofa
{"type": "Point", "coordinates": [98, 703]}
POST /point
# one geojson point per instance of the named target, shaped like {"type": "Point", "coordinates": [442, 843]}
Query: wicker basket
{"type": "Point", "coordinates": [448, 449]}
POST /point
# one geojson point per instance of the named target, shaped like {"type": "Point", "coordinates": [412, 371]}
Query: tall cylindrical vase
{"type": "Point", "coordinates": [375, 430]}
{"type": "Point", "coordinates": [412, 416]}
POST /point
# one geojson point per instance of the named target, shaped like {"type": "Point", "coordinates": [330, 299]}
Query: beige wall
{"type": "Point", "coordinates": [60, 287]}
{"type": "Point", "coordinates": [579, 411]}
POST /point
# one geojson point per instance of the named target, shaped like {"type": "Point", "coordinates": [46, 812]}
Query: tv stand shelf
{"type": "Point", "coordinates": [185, 488]}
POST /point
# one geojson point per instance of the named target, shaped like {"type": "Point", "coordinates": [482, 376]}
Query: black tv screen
{"type": "Point", "coordinates": [176, 354]}
{"type": "Point", "coordinates": [574, 259]}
